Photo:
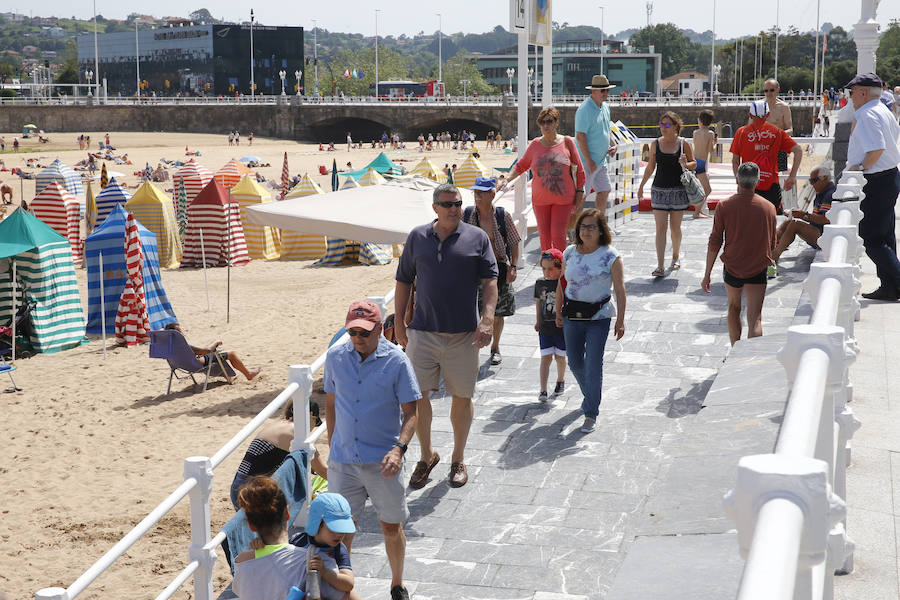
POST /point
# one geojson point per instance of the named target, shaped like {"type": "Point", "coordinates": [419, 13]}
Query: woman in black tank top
{"type": "Point", "coordinates": [668, 198]}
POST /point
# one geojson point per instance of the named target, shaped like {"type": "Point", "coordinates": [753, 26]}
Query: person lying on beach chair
{"type": "Point", "coordinates": [207, 353]}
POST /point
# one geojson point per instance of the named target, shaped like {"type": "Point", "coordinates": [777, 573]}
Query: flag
{"type": "Point", "coordinates": [355, 74]}
{"type": "Point", "coordinates": [361, 73]}
{"type": "Point", "coordinates": [824, 45]}
{"type": "Point", "coordinates": [346, 73]}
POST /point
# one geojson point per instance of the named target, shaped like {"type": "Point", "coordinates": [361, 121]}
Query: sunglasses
{"type": "Point", "coordinates": [814, 179]}
{"type": "Point", "coordinates": [769, 90]}
{"type": "Point", "coordinates": [546, 121]}
{"type": "Point", "coordinates": [589, 227]}
{"type": "Point", "coordinates": [359, 332]}
{"type": "Point", "coordinates": [448, 204]}
{"type": "Point", "coordinates": [666, 125]}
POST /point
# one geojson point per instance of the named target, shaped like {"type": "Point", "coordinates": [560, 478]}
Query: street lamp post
{"type": "Point", "coordinates": [137, 59]}
{"type": "Point", "coordinates": [440, 55]}
{"type": "Point", "coordinates": [252, 78]}
{"type": "Point", "coordinates": [315, 58]}
{"type": "Point", "coordinates": [465, 83]}
{"type": "Point", "coordinates": [777, 31]}
{"type": "Point", "coordinates": [96, 52]}
{"type": "Point", "coordinates": [298, 74]}
{"type": "Point", "coordinates": [712, 58]}
{"type": "Point", "coordinates": [602, 15]}
{"type": "Point", "coordinates": [376, 52]}
{"type": "Point", "coordinates": [282, 74]}
{"type": "Point", "coordinates": [89, 75]}
{"type": "Point", "coordinates": [510, 72]}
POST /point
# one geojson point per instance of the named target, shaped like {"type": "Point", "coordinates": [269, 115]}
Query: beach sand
{"type": "Point", "coordinates": [93, 444]}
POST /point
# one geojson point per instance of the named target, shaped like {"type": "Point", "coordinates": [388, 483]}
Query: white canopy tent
{"type": "Point", "coordinates": [383, 214]}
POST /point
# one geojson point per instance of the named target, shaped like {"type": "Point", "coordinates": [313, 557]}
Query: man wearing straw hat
{"type": "Point", "coordinates": [592, 137]}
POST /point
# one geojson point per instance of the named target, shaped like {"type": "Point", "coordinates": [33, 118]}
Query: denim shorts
{"type": "Point", "coordinates": [552, 344]}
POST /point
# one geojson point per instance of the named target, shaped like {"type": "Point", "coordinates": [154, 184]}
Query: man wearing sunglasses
{"type": "Point", "coordinates": [808, 225]}
{"type": "Point", "coordinates": [779, 116]}
{"type": "Point", "coordinates": [592, 138]}
{"type": "Point", "coordinates": [370, 408]}
{"type": "Point", "coordinates": [447, 259]}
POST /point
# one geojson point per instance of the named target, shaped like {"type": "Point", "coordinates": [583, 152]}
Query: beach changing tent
{"type": "Point", "coordinates": [231, 173]}
{"type": "Point", "coordinates": [109, 238]}
{"type": "Point", "coordinates": [262, 241]}
{"type": "Point", "coordinates": [195, 177]}
{"type": "Point", "coordinates": [298, 246]}
{"type": "Point", "coordinates": [372, 177]}
{"type": "Point", "coordinates": [220, 222]}
{"type": "Point", "coordinates": [350, 183]}
{"type": "Point", "coordinates": [153, 209]}
{"type": "Point", "coordinates": [45, 275]}
{"type": "Point", "coordinates": [426, 168]}
{"type": "Point", "coordinates": [107, 199]}
{"type": "Point", "coordinates": [468, 172]}
{"type": "Point", "coordinates": [56, 207]}
{"type": "Point", "coordinates": [382, 164]}
{"type": "Point", "coordinates": [61, 174]}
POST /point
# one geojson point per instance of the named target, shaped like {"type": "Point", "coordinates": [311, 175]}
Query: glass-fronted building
{"type": "Point", "coordinates": [195, 59]}
{"type": "Point", "coordinates": [575, 62]}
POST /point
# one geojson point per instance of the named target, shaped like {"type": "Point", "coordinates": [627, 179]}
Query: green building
{"type": "Point", "coordinates": [574, 63]}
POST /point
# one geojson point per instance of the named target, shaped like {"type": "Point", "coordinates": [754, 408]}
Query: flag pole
{"type": "Point", "coordinates": [203, 258]}
{"type": "Point", "coordinates": [228, 267]}
{"type": "Point", "coordinates": [102, 305]}
{"type": "Point", "coordinates": [14, 311]}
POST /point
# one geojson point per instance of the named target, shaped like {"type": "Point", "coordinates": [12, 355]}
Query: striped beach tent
{"type": "Point", "coordinates": [262, 241]}
{"type": "Point", "coordinates": [108, 197]}
{"type": "Point", "coordinates": [132, 322]}
{"type": "Point", "coordinates": [153, 209]}
{"type": "Point", "coordinates": [219, 220]}
{"type": "Point", "coordinates": [350, 183]}
{"type": "Point", "coordinates": [45, 275]}
{"type": "Point", "coordinates": [56, 207]}
{"type": "Point", "coordinates": [62, 174]}
{"type": "Point", "coordinates": [194, 176]}
{"type": "Point", "coordinates": [109, 238]}
{"type": "Point", "coordinates": [468, 172]}
{"type": "Point", "coordinates": [231, 173]}
{"type": "Point", "coordinates": [300, 246]}
{"type": "Point", "coordinates": [426, 168]}
{"type": "Point", "coordinates": [372, 177]}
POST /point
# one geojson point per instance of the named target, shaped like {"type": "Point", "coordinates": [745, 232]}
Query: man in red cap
{"type": "Point", "coordinates": [370, 409]}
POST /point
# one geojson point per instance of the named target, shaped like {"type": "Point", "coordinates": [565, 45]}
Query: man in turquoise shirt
{"type": "Point", "coordinates": [592, 138]}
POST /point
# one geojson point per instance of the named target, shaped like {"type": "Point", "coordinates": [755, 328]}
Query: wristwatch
{"type": "Point", "coordinates": [516, 267]}
{"type": "Point", "coordinates": [403, 447]}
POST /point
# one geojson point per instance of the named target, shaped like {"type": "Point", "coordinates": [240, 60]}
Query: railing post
{"type": "Point", "coordinates": [848, 304]}
{"type": "Point", "coordinates": [200, 468]}
{"type": "Point", "coordinates": [51, 593]}
{"type": "Point", "coordinates": [302, 376]}
{"type": "Point", "coordinates": [380, 303]}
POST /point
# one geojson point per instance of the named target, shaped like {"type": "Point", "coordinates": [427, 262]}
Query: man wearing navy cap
{"type": "Point", "coordinates": [873, 150]}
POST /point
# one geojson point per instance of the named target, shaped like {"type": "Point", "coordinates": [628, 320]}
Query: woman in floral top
{"type": "Point", "coordinates": [592, 268]}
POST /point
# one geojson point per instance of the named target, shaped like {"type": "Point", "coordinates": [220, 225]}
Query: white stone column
{"type": "Point", "coordinates": [865, 34]}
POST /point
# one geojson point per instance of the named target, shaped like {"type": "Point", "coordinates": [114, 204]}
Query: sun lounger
{"type": "Point", "coordinates": [171, 345]}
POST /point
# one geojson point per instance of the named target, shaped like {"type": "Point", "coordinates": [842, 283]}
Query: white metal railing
{"type": "Point", "coordinates": [198, 479]}
{"type": "Point", "coordinates": [789, 506]}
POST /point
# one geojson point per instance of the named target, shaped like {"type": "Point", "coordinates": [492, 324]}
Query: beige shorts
{"type": "Point", "coordinates": [452, 355]}
{"type": "Point", "coordinates": [598, 180]}
{"type": "Point", "coordinates": [358, 482]}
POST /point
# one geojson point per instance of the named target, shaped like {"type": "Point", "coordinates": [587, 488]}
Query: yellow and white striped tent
{"type": "Point", "coordinates": [262, 241]}
{"type": "Point", "coordinates": [372, 177]}
{"type": "Point", "coordinates": [300, 246]}
{"type": "Point", "coordinates": [155, 211]}
{"type": "Point", "coordinates": [468, 171]}
{"type": "Point", "coordinates": [350, 183]}
{"type": "Point", "coordinates": [428, 169]}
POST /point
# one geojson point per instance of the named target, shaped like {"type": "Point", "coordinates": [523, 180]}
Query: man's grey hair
{"type": "Point", "coordinates": [873, 93]}
{"type": "Point", "coordinates": [823, 170]}
{"type": "Point", "coordinates": [748, 176]}
{"type": "Point", "coordinates": [444, 188]}
{"type": "Point", "coordinates": [775, 81]}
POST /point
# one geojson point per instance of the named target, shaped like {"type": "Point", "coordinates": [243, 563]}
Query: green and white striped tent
{"type": "Point", "coordinates": [45, 274]}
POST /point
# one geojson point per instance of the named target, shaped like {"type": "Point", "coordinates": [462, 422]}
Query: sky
{"type": "Point", "coordinates": [477, 16]}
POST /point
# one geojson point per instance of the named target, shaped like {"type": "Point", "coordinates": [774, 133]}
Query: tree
{"type": "Point", "coordinates": [69, 72]}
{"type": "Point", "coordinates": [460, 68]}
{"type": "Point", "coordinates": [837, 74]}
{"type": "Point", "coordinates": [888, 45]}
{"type": "Point", "coordinates": [667, 40]}
{"type": "Point", "coordinates": [795, 78]}
{"type": "Point", "coordinates": [201, 15]}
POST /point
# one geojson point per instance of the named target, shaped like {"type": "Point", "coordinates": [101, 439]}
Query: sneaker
{"type": "Point", "coordinates": [589, 426]}
{"type": "Point", "coordinates": [542, 397]}
{"type": "Point", "coordinates": [496, 359]}
{"type": "Point", "coordinates": [560, 388]}
{"type": "Point", "coordinates": [771, 271]}
{"type": "Point", "coordinates": [398, 592]}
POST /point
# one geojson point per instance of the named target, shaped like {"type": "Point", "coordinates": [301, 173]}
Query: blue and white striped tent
{"type": "Point", "coordinates": [61, 174]}
{"type": "Point", "coordinates": [109, 239]}
{"type": "Point", "coordinates": [107, 199]}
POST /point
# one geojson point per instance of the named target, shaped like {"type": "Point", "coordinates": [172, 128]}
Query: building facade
{"type": "Point", "coordinates": [195, 59]}
{"type": "Point", "coordinates": [574, 63]}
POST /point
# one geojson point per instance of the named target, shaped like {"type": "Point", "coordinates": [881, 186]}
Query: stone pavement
{"type": "Point", "coordinates": [631, 509]}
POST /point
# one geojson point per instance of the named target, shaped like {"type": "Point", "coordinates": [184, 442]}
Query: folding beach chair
{"type": "Point", "coordinates": [7, 368]}
{"type": "Point", "coordinates": [171, 345]}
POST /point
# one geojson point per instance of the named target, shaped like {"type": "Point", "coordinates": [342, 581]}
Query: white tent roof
{"type": "Point", "coordinates": [384, 214]}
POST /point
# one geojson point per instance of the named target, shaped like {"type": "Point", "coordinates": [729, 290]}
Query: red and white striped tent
{"type": "Point", "coordinates": [231, 173]}
{"type": "Point", "coordinates": [220, 223]}
{"type": "Point", "coordinates": [195, 177]}
{"type": "Point", "coordinates": [132, 320]}
{"type": "Point", "coordinates": [59, 209]}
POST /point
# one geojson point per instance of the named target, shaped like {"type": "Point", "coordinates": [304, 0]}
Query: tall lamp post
{"type": "Point", "coordinates": [96, 52]}
{"type": "Point", "coordinates": [510, 72]}
{"type": "Point", "coordinates": [777, 31]}
{"type": "Point", "coordinates": [465, 83]}
{"type": "Point", "coordinates": [602, 15]}
{"type": "Point", "coordinates": [298, 74]}
{"type": "Point", "coordinates": [89, 75]}
{"type": "Point", "coordinates": [376, 52]}
{"type": "Point", "coordinates": [282, 74]}
{"type": "Point", "coordinates": [440, 55]}
{"type": "Point", "coordinates": [315, 58]}
{"type": "Point", "coordinates": [137, 59]}
{"type": "Point", "coordinates": [712, 57]}
{"type": "Point", "coordinates": [252, 78]}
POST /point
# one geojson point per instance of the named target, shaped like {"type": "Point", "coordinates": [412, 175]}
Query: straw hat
{"type": "Point", "coordinates": [599, 82]}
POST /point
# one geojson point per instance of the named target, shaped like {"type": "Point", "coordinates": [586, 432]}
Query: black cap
{"type": "Point", "coordinates": [865, 79]}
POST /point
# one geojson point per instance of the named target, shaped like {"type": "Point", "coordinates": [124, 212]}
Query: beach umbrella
{"type": "Point", "coordinates": [372, 177]}
{"type": "Point", "coordinates": [231, 173]}
{"type": "Point", "coordinates": [251, 159]}
{"type": "Point", "coordinates": [90, 212]}
{"type": "Point", "coordinates": [285, 177]}
{"type": "Point", "coordinates": [335, 183]}
{"type": "Point", "coordinates": [181, 213]}
{"type": "Point", "coordinates": [132, 321]}
{"type": "Point", "coordinates": [104, 177]}
{"type": "Point", "coordinates": [30, 126]}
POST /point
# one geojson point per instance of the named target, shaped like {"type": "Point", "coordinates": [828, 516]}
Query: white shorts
{"type": "Point", "coordinates": [356, 482]}
{"type": "Point", "coordinates": [598, 181]}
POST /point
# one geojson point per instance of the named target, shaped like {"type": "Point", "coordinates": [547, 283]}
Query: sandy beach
{"type": "Point", "coordinates": [94, 444]}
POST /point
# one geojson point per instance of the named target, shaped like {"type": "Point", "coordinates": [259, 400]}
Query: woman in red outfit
{"type": "Point", "coordinates": [558, 185]}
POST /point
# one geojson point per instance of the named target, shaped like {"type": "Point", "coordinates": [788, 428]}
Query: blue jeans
{"type": "Point", "coordinates": [585, 344]}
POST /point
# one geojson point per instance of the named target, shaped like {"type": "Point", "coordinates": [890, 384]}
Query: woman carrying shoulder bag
{"type": "Point", "coordinates": [583, 308]}
{"type": "Point", "coordinates": [558, 185]}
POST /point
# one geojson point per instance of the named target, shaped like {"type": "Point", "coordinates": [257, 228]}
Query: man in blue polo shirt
{"type": "Point", "coordinates": [370, 409]}
{"type": "Point", "coordinates": [446, 259]}
{"type": "Point", "coordinates": [592, 137]}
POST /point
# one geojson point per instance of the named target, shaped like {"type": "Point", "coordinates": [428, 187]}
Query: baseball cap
{"type": "Point", "coordinates": [333, 510]}
{"type": "Point", "coordinates": [866, 79]}
{"type": "Point", "coordinates": [554, 253]}
{"type": "Point", "coordinates": [363, 314]}
{"type": "Point", "coordinates": [759, 108]}
{"type": "Point", "coordinates": [485, 184]}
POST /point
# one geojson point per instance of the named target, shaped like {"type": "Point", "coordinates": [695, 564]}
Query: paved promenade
{"type": "Point", "coordinates": [634, 510]}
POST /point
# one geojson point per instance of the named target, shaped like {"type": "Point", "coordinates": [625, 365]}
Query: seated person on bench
{"type": "Point", "coordinates": [205, 354]}
{"type": "Point", "coordinates": [808, 225]}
